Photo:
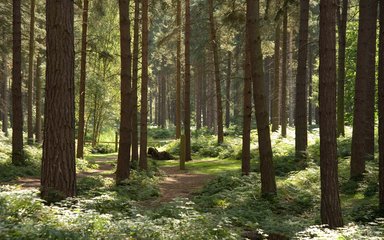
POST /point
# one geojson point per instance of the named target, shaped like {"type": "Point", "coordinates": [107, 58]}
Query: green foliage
{"type": "Point", "coordinates": [103, 149]}
{"type": "Point", "coordinates": [161, 133]}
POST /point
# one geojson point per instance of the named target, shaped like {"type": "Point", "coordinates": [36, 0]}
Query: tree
{"type": "Point", "coordinates": [187, 83]}
{"type": "Point", "coordinates": [144, 88]}
{"type": "Point", "coordinates": [215, 50]}
{"type": "Point", "coordinates": [228, 91]}
{"type": "Point", "coordinates": [363, 115]}
{"type": "Point", "coordinates": [283, 114]}
{"type": "Point", "coordinates": [268, 182]}
{"type": "Point", "coordinates": [17, 108]}
{"type": "Point", "coordinates": [276, 82]}
{"type": "Point", "coordinates": [58, 175]}
{"type": "Point", "coordinates": [330, 202]}
{"type": "Point", "coordinates": [4, 94]}
{"type": "Point", "coordinates": [83, 65]}
{"type": "Point", "coordinates": [38, 98]}
{"type": "Point", "coordinates": [30, 72]}
{"type": "Point", "coordinates": [178, 71]}
{"type": "Point", "coordinates": [381, 105]}
{"type": "Point", "coordinates": [301, 83]}
{"type": "Point", "coordinates": [247, 111]}
{"type": "Point", "coordinates": [342, 17]}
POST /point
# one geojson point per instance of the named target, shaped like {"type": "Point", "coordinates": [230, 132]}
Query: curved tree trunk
{"type": "Point", "coordinates": [58, 175]}
{"type": "Point", "coordinates": [330, 202]}
{"type": "Point", "coordinates": [30, 73]}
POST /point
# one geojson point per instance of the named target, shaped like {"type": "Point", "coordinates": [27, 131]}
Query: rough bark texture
{"type": "Point", "coordinates": [362, 139]}
{"type": "Point", "coordinates": [228, 91]}
{"type": "Point", "coordinates": [301, 83]}
{"type": "Point", "coordinates": [275, 105]}
{"type": "Point", "coordinates": [144, 88]}
{"type": "Point", "coordinates": [267, 171]}
{"type": "Point", "coordinates": [30, 73]}
{"type": "Point", "coordinates": [178, 71]}
{"type": "Point", "coordinates": [124, 155]}
{"type": "Point", "coordinates": [135, 77]}
{"type": "Point", "coordinates": [4, 94]}
{"type": "Point", "coordinates": [58, 175]}
{"type": "Point", "coordinates": [247, 112]}
{"type": "Point", "coordinates": [330, 202]}
{"type": "Point", "coordinates": [284, 90]}
{"type": "Point", "coordinates": [215, 49]}
{"type": "Point", "coordinates": [38, 98]}
{"type": "Point", "coordinates": [17, 108]}
{"type": "Point", "coordinates": [342, 16]}
{"type": "Point", "coordinates": [381, 106]}
{"type": "Point", "coordinates": [187, 84]}
{"type": "Point", "coordinates": [83, 72]}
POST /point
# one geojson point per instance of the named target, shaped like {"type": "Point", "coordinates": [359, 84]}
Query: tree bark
{"type": "Point", "coordinates": [144, 88]}
{"type": "Point", "coordinates": [135, 77]}
{"type": "Point", "coordinates": [178, 71]}
{"type": "Point", "coordinates": [187, 83]}
{"type": "Point", "coordinates": [83, 72]}
{"type": "Point", "coordinates": [284, 66]}
{"type": "Point", "coordinates": [199, 97]}
{"type": "Point", "coordinates": [381, 106]}
{"type": "Point", "coordinates": [276, 82]}
{"type": "Point", "coordinates": [4, 94]}
{"type": "Point", "coordinates": [228, 91]}
{"type": "Point", "coordinates": [364, 88]}
{"type": "Point", "coordinates": [215, 50]}
{"type": "Point", "coordinates": [268, 182]}
{"type": "Point", "coordinates": [247, 111]}
{"type": "Point", "coordinates": [30, 73]}
{"type": "Point", "coordinates": [291, 81]}
{"type": "Point", "coordinates": [58, 176]}
{"type": "Point", "coordinates": [310, 85]}
{"type": "Point", "coordinates": [17, 108]}
{"type": "Point", "coordinates": [38, 99]}
{"type": "Point", "coordinates": [342, 16]}
{"type": "Point", "coordinates": [301, 84]}
{"type": "Point", "coordinates": [330, 201]}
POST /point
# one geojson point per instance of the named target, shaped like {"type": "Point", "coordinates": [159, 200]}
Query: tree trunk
{"type": "Point", "coordinates": [17, 108]}
{"type": "Point", "coordinates": [187, 83]}
{"type": "Point", "coordinates": [330, 202]}
{"type": "Point", "coordinates": [4, 94]}
{"type": "Point", "coordinates": [310, 85]}
{"type": "Point", "coordinates": [30, 73]}
{"type": "Point", "coordinates": [58, 175]}
{"type": "Point", "coordinates": [291, 82]}
{"type": "Point", "coordinates": [268, 183]}
{"type": "Point", "coordinates": [83, 72]}
{"type": "Point", "coordinates": [178, 71]}
{"type": "Point", "coordinates": [126, 109]}
{"type": "Point", "coordinates": [247, 111]}
{"type": "Point", "coordinates": [198, 87]}
{"type": "Point", "coordinates": [364, 93]}
{"type": "Point", "coordinates": [144, 88]}
{"type": "Point", "coordinates": [301, 84]}
{"type": "Point", "coordinates": [228, 91]}
{"type": "Point", "coordinates": [38, 98]}
{"type": "Point", "coordinates": [276, 82]}
{"type": "Point", "coordinates": [284, 66]}
{"type": "Point", "coordinates": [342, 16]}
{"type": "Point", "coordinates": [215, 50]}
{"type": "Point", "coordinates": [135, 71]}
{"type": "Point", "coordinates": [381, 106]}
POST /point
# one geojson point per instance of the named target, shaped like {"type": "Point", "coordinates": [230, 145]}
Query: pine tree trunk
{"type": "Point", "coordinates": [163, 101]}
{"type": "Point", "coordinates": [364, 93]}
{"type": "Point", "coordinates": [301, 84]}
{"type": "Point", "coordinates": [135, 77]}
{"type": "Point", "coordinates": [291, 82]}
{"type": "Point", "coordinates": [381, 106]}
{"type": "Point", "coordinates": [310, 85]}
{"type": "Point", "coordinates": [342, 16]}
{"type": "Point", "coordinates": [17, 108]}
{"type": "Point", "coordinates": [284, 66]}
{"type": "Point", "coordinates": [215, 49]}
{"type": "Point", "coordinates": [83, 72]}
{"type": "Point", "coordinates": [178, 71]}
{"type": "Point", "coordinates": [198, 87]}
{"type": "Point", "coordinates": [4, 94]}
{"type": "Point", "coordinates": [267, 171]}
{"type": "Point", "coordinates": [58, 175]}
{"type": "Point", "coordinates": [187, 83]}
{"type": "Point", "coordinates": [330, 201]}
{"type": "Point", "coordinates": [38, 98]}
{"type": "Point", "coordinates": [126, 109]}
{"type": "Point", "coordinates": [228, 91]}
{"type": "Point", "coordinates": [30, 73]}
{"type": "Point", "coordinates": [276, 83]}
{"type": "Point", "coordinates": [144, 88]}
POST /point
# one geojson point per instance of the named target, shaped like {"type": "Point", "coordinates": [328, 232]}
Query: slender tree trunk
{"type": "Point", "coordinates": [178, 71]}
{"type": "Point", "coordinates": [268, 182]}
{"type": "Point", "coordinates": [330, 201]}
{"type": "Point", "coordinates": [215, 49]}
{"type": "Point", "coordinates": [310, 85]}
{"type": "Point", "coordinates": [247, 111]}
{"type": "Point", "coordinates": [228, 91]}
{"type": "Point", "coordinates": [364, 93]}
{"type": "Point", "coordinates": [301, 83]}
{"type": "Point", "coordinates": [126, 109]}
{"type": "Point", "coordinates": [30, 73]}
{"type": "Point", "coordinates": [17, 108]}
{"type": "Point", "coordinates": [199, 94]}
{"type": "Point", "coordinates": [144, 88]}
{"type": "Point", "coordinates": [284, 66]}
{"type": "Point", "coordinates": [276, 82]}
{"type": "Point", "coordinates": [135, 76]}
{"type": "Point", "coordinates": [83, 72]}
{"type": "Point", "coordinates": [163, 86]}
{"type": "Point", "coordinates": [291, 81]}
{"type": "Point", "coordinates": [4, 94]}
{"type": "Point", "coordinates": [58, 175]}
{"type": "Point", "coordinates": [381, 106]}
{"type": "Point", "coordinates": [342, 15]}
{"type": "Point", "coordinates": [38, 98]}
{"type": "Point", "coordinates": [187, 83]}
